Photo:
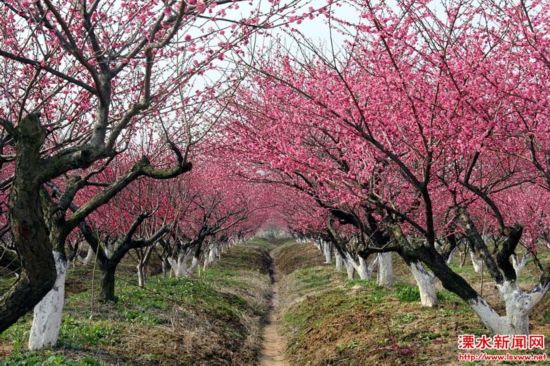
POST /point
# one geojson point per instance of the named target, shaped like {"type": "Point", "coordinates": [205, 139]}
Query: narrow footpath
{"type": "Point", "coordinates": [274, 345]}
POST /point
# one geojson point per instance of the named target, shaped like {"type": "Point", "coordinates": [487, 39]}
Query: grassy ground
{"type": "Point", "coordinates": [332, 321]}
{"type": "Point", "coordinates": [211, 319]}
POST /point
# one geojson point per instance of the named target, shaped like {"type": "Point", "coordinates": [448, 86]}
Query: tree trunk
{"type": "Point", "coordinates": [519, 305]}
{"type": "Point", "coordinates": [339, 261]}
{"type": "Point", "coordinates": [318, 243]}
{"type": "Point", "coordinates": [462, 258]}
{"type": "Point", "coordinates": [165, 265]}
{"type": "Point", "coordinates": [178, 265]}
{"type": "Point", "coordinates": [141, 274]}
{"type": "Point", "coordinates": [209, 258]}
{"type": "Point", "coordinates": [28, 229]}
{"type": "Point", "coordinates": [89, 256]}
{"type": "Point", "coordinates": [360, 266]}
{"type": "Point", "coordinates": [194, 264]}
{"type": "Point", "coordinates": [519, 264]}
{"type": "Point", "coordinates": [108, 284]}
{"type": "Point", "coordinates": [450, 257]}
{"type": "Point", "coordinates": [327, 251]}
{"type": "Point", "coordinates": [212, 255]}
{"type": "Point", "coordinates": [426, 284]}
{"type": "Point", "coordinates": [49, 311]}
{"type": "Point", "coordinates": [476, 262]}
{"type": "Point", "coordinates": [385, 270]}
{"type": "Point", "coordinates": [349, 268]}
{"type": "Point", "coordinates": [363, 269]}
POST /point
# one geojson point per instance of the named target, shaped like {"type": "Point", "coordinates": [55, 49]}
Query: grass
{"type": "Point", "coordinates": [289, 259]}
{"type": "Point", "coordinates": [47, 359]}
{"type": "Point", "coordinates": [211, 319]}
{"type": "Point", "coordinates": [329, 320]}
{"type": "Point", "coordinates": [215, 318]}
{"type": "Point", "coordinates": [407, 293]}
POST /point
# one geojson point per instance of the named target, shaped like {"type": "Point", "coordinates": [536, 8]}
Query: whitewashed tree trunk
{"type": "Point", "coordinates": [317, 243]}
{"type": "Point", "coordinates": [363, 269]}
{"type": "Point", "coordinates": [385, 270]}
{"type": "Point", "coordinates": [477, 262]}
{"type": "Point", "coordinates": [141, 274]}
{"type": "Point", "coordinates": [339, 261]}
{"type": "Point", "coordinates": [178, 265]}
{"type": "Point", "coordinates": [48, 312]}
{"type": "Point", "coordinates": [350, 270]}
{"type": "Point", "coordinates": [164, 266]}
{"type": "Point", "coordinates": [426, 284]}
{"type": "Point", "coordinates": [209, 258]}
{"type": "Point", "coordinates": [327, 251]}
{"type": "Point", "coordinates": [194, 264]}
{"type": "Point", "coordinates": [519, 305]}
{"type": "Point", "coordinates": [519, 264]}
{"type": "Point", "coordinates": [450, 257]}
{"type": "Point", "coordinates": [360, 266]}
{"type": "Point", "coordinates": [89, 256]}
{"type": "Point", "coordinates": [462, 258]}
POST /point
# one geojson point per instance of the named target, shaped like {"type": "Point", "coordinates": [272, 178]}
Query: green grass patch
{"type": "Point", "coordinates": [407, 293]}
{"type": "Point", "coordinates": [77, 333]}
{"type": "Point", "coordinates": [46, 358]}
{"type": "Point", "coordinates": [223, 304]}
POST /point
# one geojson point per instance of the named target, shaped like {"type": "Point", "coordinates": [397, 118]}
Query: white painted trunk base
{"type": "Point", "coordinates": [327, 251]}
{"type": "Point", "coordinates": [48, 312]}
{"type": "Point", "coordinates": [519, 305]}
{"type": "Point", "coordinates": [363, 269]}
{"type": "Point", "coordinates": [426, 284]}
{"type": "Point", "coordinates": [317, 244]}
{"type": "Point", "coordinates": [477, 262]}
{"type": "Point", "coordinates": [179, 266]}
{"type": "Point", "coordinates": [385, 270]}
{"type": "Point", "coordinates": [194, 264]}
{"type": "Point", "coordinates": [210, 258]}
{"type": "Point", "coordinates": [360, 266]}
{"type": "Point", "coordinates": [349, 269]}
{"type": "Point", "coordinates": [519, 264]}
{"type": "Point", "coordinates": [141, 274]}
{"type": "Point", "coordinates": [89, 256]}
{"type": "Point", "coordinates": [339, 261]}
{"type": "Point", "coordinates": [450, 257]}
{"type": "Point", "coordinates": [212, 254]}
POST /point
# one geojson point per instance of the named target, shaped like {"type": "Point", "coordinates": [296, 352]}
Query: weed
{"type": "Point", "coordinates": [407, 318]}
{"type": "Point", "coordinates": [76, 333]}
{"type": "Point", "coordinates": [407, 293]}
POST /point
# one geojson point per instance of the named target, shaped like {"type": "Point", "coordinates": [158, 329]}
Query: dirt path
{"type": "Point", "coordinates": [273, 347]}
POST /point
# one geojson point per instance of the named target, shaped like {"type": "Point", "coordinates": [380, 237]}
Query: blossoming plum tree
{"type": "Point", "coordinates": [428, 125]}
{"type": "Point", "coordinates": [80, 80]}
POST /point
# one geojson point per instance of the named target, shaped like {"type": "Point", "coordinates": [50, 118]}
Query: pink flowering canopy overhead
{"type": "Point", "coordinates": [420, 113]}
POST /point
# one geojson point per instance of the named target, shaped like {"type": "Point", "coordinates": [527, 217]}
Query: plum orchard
{"type": "Point", "coordinates": [84, 83]}
{"type": "Point", "coordinates": [428, 128]}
